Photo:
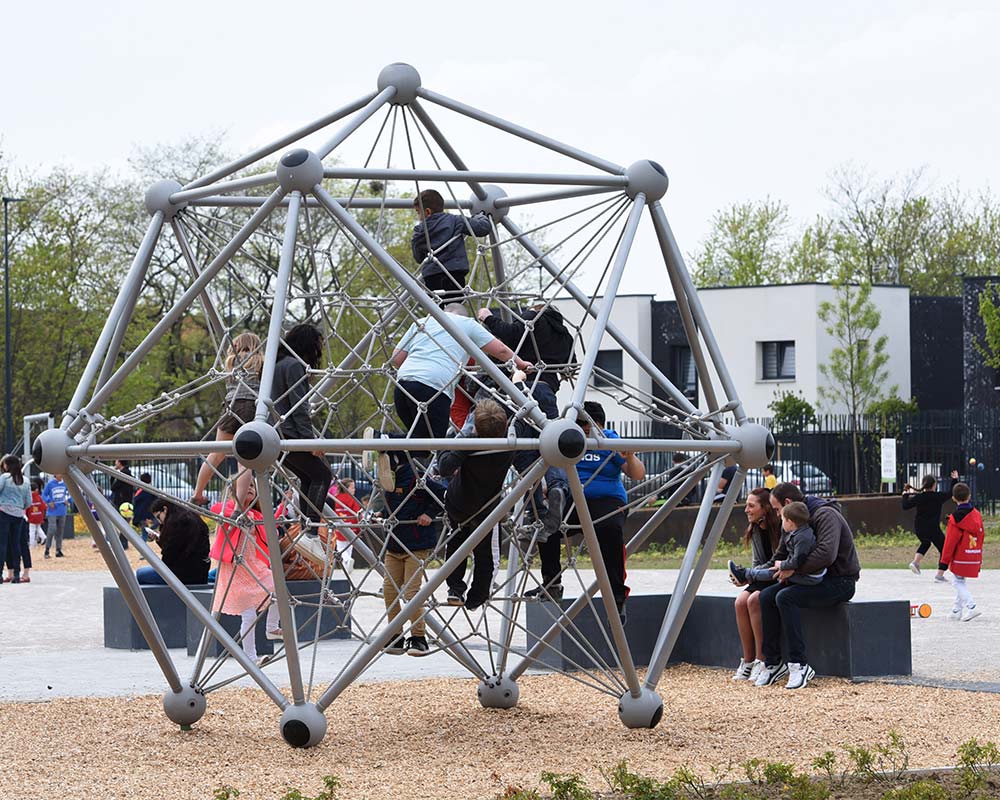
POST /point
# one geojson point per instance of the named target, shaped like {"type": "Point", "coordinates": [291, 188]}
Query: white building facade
{"type": "Point", "coordinates": [771, 338]}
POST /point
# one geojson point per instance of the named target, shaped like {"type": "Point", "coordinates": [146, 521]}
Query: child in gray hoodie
{"type": "Point", "coordinates": [797, 541]}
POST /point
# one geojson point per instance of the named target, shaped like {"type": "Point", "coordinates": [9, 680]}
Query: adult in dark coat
{"type": "Point", "coordinates": [184, 545]}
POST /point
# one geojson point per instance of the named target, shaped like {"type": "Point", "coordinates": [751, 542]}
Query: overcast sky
{"type": "Point", "coordinates": [737, 100]}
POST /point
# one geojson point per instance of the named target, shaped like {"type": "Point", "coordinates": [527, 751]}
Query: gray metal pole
{"type": "Point", "coordinates": [420, 295]}
{"type": "Point", "coordinates": [507, 609]}
{"type": "Point", "coordinates": [278, 311]}
{"type": "Point", "coordinates": [284, 141]}
{"type": "Point", "coordinates": [114, 519]}
{"type": "Point", "coordinates": [363, 658]}
{"type": "Point", "coordinates": [357, 121]}
{"type": "Point", "coordinates": [281, 594]}
{"type": "Point", "coordinates": [581, 602]}
{"type": "Point", "coordinates": [126, 581]}
{"type": "Point", "coordinates": [675, 261]}
{"type": "Point", "coordinates": [559, 194]}
{"type": "Point", "coordinates": [212, 316]}
{"type": "Point", "coordinates": [627, 345]}
{"type": "Point", "coordinates": [47, 417]}
{"type": "Point", "coordinates": [197, 287]}
{"type": "Point", "coordinates": [690, 328]}
{"type": "Point", "coordinates": [7, 366]}
{"type": "Point", "coordinates": [445, 145]}
{"type": "Point", "coordinates": [677, 611]}
{"type": "Point", "coordinates": [135, 273]}
{"type": "Point", "coordinates": [615, 625]}
{"type": "Point", "coordinates": [237, 185]}
{"type": "Point", "coordinates": [610, 292]}
{"type": "Point", "coordinates": [499, 272]}
{"type": "Point", "coordinates": [523, 133]}
{"type": "Point", "coordinates": [445, 176]}
{"type": "Point", "coordinates": [397, 203]}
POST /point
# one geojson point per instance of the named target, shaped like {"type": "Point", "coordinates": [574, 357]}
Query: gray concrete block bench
{"type": "Point", "coordinates": [850, 640]}
{"type": "Point", "coordinates": [178, 625]}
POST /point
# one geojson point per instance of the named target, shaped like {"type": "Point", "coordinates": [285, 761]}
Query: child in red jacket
{"type": "Point", "coordinates": [963, 551]}
{"type": "Point", "coordinates": [36, 514]}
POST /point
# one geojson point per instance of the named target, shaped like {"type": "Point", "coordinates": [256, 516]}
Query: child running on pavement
{"type": "Point", "coordinates": [963, 551]}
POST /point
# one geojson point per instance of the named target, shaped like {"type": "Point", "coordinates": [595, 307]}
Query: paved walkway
{"type": "Point", "coordinates": [52, 637]}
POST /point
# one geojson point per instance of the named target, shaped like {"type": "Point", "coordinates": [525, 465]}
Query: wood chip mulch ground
{"type": "Point", "coordinates": [431, 739]}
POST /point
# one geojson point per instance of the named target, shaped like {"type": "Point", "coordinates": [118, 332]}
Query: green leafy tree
{"type": "Point", "coordinates": [989, 311]}
{"type": "Point", "coordinates": [857, 369]}
{"type": "Point", "coordinates": [745, 247]}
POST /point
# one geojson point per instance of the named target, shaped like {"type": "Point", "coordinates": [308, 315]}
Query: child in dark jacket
{"type": "Point", "coordinates": [474, 482]}
{"type": "Point", "coordinates": [796, 543]}
{"type": "Point", "coordinates": [963, 551]}
{"type": "Point", "coordinates": [411, 534]}
{"type": "Point", "coordinates": [438, 245]}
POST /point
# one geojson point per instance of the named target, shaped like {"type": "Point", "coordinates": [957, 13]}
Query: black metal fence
{"type": "Point", "coordinates": [820, 454]}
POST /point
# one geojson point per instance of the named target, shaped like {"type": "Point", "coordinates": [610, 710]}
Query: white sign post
{"type": "Point", "coordinates": [889, 463]}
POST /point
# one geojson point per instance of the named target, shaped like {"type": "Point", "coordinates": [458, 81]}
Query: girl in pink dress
{"type": "Point", "coordinates": [244, 584]}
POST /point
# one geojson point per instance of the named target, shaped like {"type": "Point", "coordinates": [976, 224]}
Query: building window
{"type": "Point", "coordinates": [609, 369]}
{"type": "Point", "coordinates": [683, 374]}
{"type": "Point", "coordinates": [777, 360]}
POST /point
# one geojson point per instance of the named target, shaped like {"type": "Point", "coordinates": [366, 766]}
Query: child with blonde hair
{"type": "Point", "coordinates": [244, 362]}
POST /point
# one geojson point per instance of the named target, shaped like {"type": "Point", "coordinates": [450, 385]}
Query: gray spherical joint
{"type": "Point", "coordinates": [757, 445]}
{"type": "Point", "coordinates": [487, 205]}
{"type": "Point", "coordinates": [647, 177]}
{"type": "Point", "coordinates": [257, 445]}
{"type": "Point", "coordinates": [303, 725]}
{"type": "Point", "coordinates": [185, 707]}
{"type": "Point", "coordinates": [49, 451]}
{"type": "Point", "coordinates": [299, 170]}
{"type": "Point", "coordinates": [644, 711]}
{"type": "Point", "coordinates": [498, 692]}
{"type": "Point", "coordinates": [562, 443]}
{"type": "Point", "coordinates": [404, 79]}
{"type": "Point", "coordinates": [158, 198]}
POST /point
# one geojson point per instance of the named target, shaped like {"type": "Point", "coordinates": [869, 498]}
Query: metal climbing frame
{"type": "Point", "coordinates": [294, 213]}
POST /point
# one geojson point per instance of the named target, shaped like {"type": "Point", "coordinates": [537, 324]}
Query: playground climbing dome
{"type": "Point", "coordinates": [311, 240]}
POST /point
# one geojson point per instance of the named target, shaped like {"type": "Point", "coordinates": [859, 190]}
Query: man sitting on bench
{"type": "Point", "coordinates": [781, 603]}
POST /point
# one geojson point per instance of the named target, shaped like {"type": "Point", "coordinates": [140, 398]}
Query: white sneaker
{"type": "Point", "coordinates": [367, 456]}
{"type": "Point", "coordinates": [744, 670]}
{"type": "Point", "coordinates": [311, 547]}
{"type": "Point", "coordinates": [769, 674]}
{"type": "Point", "coordinates": [799, 675]}
{"type": "Point", "coordinates": [955, 614]}
{"type": "Point", "coordinates": [383, 469]}
{"type": "Point", "coordinates": [970, 613]}
{"type": "Point", "coordinates": [941, 579]}
{"type": "Point", "coordinates": [914, 568]}
{"type": "Point", "coordinates": [755, 672]}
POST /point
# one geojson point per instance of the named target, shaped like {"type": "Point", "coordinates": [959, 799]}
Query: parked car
{"type": "Point", "coordinates": [167, 477]}
{"type": "Point", "coordinates": [808, 477]}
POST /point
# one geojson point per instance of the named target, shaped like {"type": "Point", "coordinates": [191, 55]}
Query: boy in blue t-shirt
{"type": "Point", "coordinates": [600, 472]}
{"type": "Point", "coordinates": [56, 497]}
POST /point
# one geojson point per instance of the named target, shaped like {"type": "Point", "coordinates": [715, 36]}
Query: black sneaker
{"type": "Point", "coordinates": [59, 554]}
{"type": "Point", "coordinates": [473, 602]}
{"type": "Point", "coordinates": [47, 554]}
{"type": "Point", "coordinates": [416, 646]}
{"type": "Point", "coordinates": [621, 612]}
{"type": "Point", "coordinates": [553, 593]}
{"type": "Point", "coordinates": [739, 574]}
{"type": "Point", "coordinates": [396, 647]}
{"type": "Point", "coordinates": [456, 598]}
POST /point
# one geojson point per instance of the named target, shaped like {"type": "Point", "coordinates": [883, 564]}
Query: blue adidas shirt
{"type": "Point", "coordinates": [605, 466]}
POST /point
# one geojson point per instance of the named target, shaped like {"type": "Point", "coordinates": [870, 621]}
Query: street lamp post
{"type": "Point", "coordinates": [8, 377]}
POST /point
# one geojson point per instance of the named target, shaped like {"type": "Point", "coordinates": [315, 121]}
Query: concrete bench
{"type": "Point", "coordinates": [334, 622]}
{"type": "Point", "coordinates": [120, 629]}
{"type": "Point", "coordinates": [850, 640]}
{"type": "Point", "coordinates": [122, 633]}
